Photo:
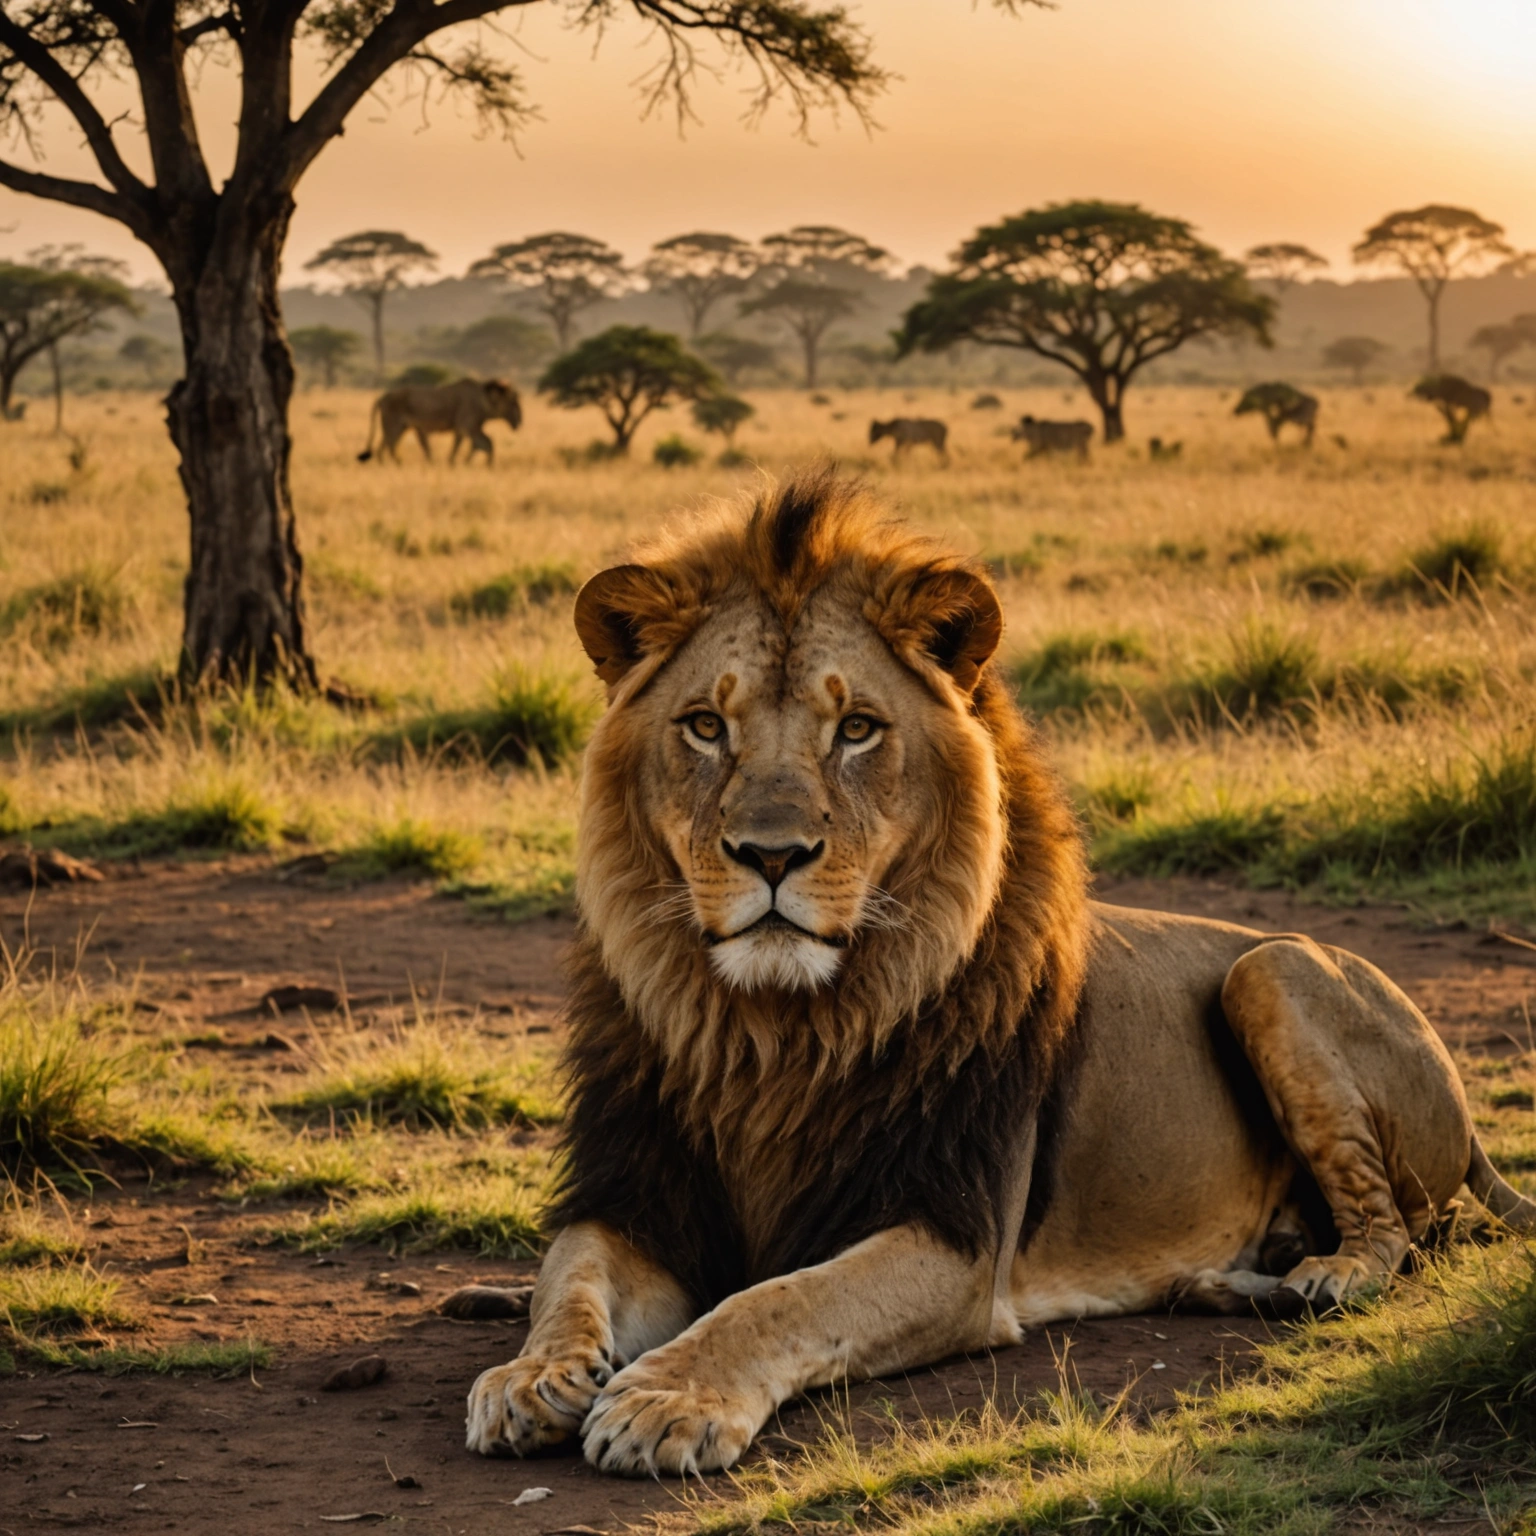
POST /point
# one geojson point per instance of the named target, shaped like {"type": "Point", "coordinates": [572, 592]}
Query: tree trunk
{"type": "Point", "coordinates": [58, 388]}
{"type": "Point", "coordinates": [376, 300]}
{"type": "Point", "coordinates": [1107, 394]}
{"type": "Point", "coordinates": [228, 416]}
{"type": "Point", "coordinates": [7, 384]}
{"type": "Point", "coordinates": [808, 343]}
{"type": "Point", "coordinates": [1434, 332]}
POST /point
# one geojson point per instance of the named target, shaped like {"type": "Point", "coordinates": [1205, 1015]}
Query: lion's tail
{"type": "Point", "coordinates": [1508, 1204]}
{"type": "Point", "coordinates": [373, 421]}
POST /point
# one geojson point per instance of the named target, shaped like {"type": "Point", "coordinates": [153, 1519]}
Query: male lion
{"type": "Point", "coordinates": [860, 1078]}
{"type": "Point", "coordinates": [462, 408]}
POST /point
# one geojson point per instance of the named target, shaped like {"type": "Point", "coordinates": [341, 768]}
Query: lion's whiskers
{"type": "Point", "coordinates": [674, 900]}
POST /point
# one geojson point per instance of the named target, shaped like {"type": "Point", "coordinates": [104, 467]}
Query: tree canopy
{"type": "Point", "coordinates": [40, 306]}
{"type": "Point", "coordinates": [700, 270]}
{"type": "Point", "coordinates": [628, 371]}
{"type": "Point", "coordinates": [1434, 245]}
{"type": "Point", "coordinates": [809, 308]}
{"type": "Point", "coordinates": [370, 266]}
{"type": "Point", "coordinates": [565, 273]}
{"type": "Point", "coordinates": [501, 344]}
{"type": "Point", "coordinates": [1355, 353]}
{"type": "Point", "coordinates": [1503, 340]}
{"type": "Point", "coordinates": [326, 348]}
{"type": "Point", "coordinates": [722, 413]}
{"type": "Point", "coordinates": [1282, 263]}
{"type": "Point", "coordinates": [1101, 288]}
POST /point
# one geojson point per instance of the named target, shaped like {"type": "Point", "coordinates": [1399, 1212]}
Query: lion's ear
{"type": "Point", "coordinates": [959, 623]}
{"type": "Point", "coordinates": [612, 610]}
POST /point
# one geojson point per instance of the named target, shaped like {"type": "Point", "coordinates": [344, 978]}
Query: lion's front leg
{"type": "Point", "coordinates": [896, 1300]}
{"type": "Point", "coordinates": [599, 1302]}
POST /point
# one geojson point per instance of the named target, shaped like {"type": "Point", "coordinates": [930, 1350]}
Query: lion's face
{"type": "Point", "coordinates": [789, 773]}
{"type": "Point", "coordinates": [802, 787]}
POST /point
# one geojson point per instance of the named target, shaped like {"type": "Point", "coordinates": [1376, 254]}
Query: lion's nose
{"type": "Point", "coordinates": [773, 864]}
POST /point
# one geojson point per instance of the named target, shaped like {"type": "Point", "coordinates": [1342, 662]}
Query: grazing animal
{"type": "Point", "coordinates": [1053, 437]}
{"type": "Point", "coordinates": [1160, 452]}
{"type": "Point", "coordinates": [462, 408]}
{"type": "Point", "coordinates": [1281, 404]}
{"type": "Point", "coordinates": [876, 1083]}
{"type": "Point", "coordinates": [1459, 401]}
{"type": "Point", "coordinates": [908, 431]}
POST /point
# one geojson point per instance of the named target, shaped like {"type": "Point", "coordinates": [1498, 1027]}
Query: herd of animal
{"type": "Point", "coordinates": [463, 408]}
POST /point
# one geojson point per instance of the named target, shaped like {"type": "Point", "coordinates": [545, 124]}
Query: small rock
{"type": "Point", "coordinates": [361, 1373]}
{"type": "Point", "coordinates": [533, 1495]}
{"type": "Point", "coordinates": [31, 1439]}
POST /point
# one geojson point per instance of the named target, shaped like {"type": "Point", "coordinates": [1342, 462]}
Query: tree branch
{"type": "Point", "coordinates": [36, 57]}
{"type": "Point", "coordinates": [78, 194]}
{"type": "Point", "coordinates": [225, 21]}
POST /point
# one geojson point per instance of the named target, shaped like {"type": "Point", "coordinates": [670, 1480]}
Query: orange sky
{"type": "Point", "coordinates": [1257, 121]}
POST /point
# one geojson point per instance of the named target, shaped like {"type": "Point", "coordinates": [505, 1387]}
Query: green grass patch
{"type": "Point", "coordinates": [1453, 564]}
{"type": "Point", "coordinates": [408, 845]}
{"type": "Point", "coordinates": [1418, 1403]}
{"type": "Point", "coordinates": [514, 591]}
{"type": "Point", "coordinates": [44, 1301]}
{"type": "Point", "coordinates": [425, 1078]}
{"type": "Point", "coordinates": [530, 716]}
{"type": "Point", "coordinates": [494, 1215]}
{"type": "Point", "coordinates": [25, 1238]}
{"type": "Point", "coordinates": [1326, 580]}
{"type": "Point", "coordinates": [97, 702]}
{"type": "Point", "coordinates": [235, 1357]}
{"type": "Point", "coordinates": [223, 813]}
{"type": "Point", "coordinates": [1079, 668]}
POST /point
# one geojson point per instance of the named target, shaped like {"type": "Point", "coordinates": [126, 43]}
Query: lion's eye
{"type": "Point", "coordinates": [706, 725]}
{"type": "Point", "coordinates": [856, 728]}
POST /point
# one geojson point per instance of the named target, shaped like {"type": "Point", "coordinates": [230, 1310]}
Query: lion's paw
{"type": "Point", "coordinates": [647, 1421]}
{"type": "Point", "coordinates": [530, 1402]}
{"type": "Point", "coordinates": [1324, 1283]}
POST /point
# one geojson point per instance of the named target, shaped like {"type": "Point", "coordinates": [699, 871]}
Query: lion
{"type": "Point", "coordinates": [1053, 436]}
{"type": "Point", "coordinates": [859, 1076]}
{"type": "Point", "coordinates": [462, 408]}
{"type": "Point", "coordinates": [908, 432]}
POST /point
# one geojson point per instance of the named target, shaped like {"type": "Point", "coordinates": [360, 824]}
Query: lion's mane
{"type": "Point", "coordinates": [734, 1136]}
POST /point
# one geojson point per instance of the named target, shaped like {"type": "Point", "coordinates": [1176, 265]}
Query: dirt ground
{"type": "Point", "coordinates": [271, 1452]}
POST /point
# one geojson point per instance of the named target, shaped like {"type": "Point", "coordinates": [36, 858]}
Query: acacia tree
{"type": "Point", "coordinates": [370, 266]}
{"type": "Point", "coordinates": [803, 266]}
{"type": "Point", "coordinates": [326, 348]}
{"type": "Point", "coordinates": [1433, 245]}
{"type": "Point", "coordinates": [565, 273]}
{"type": "Point", "coordinates": [1501, 341]}
{"type": "Point", "coordinates": [221, 244]}
{"type": "Point", "coordinates": [699, 270]}
{"type": "Point", "coordinates": [1355, 353]}
{"type": "Point", "coordinates": [501, 344]}
{"type": "Point", "coordinates": [40, 307]}
{"type": "Point", "coordinates": [628, 371]}
{"type": "Point", "coordinates": [1282, 263]}
{"type": "Point", "coordinates": [75, 258]}
{"type": "Point", "coordinates": [1101, 288]}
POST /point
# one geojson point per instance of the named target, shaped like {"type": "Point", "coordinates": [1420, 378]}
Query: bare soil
{"type": "Point", "coordinates": [204, 943]}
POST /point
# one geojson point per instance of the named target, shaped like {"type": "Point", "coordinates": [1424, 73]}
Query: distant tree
{"type": "Point", "coordinates": [565, 273]}
{"type": "Point", "coordinates": [699, 270]}
{"type": "Point", "coordinates": [809, 270]}
{"type": "Point", "coordinates": [722, 413]}
{"type": "Point", "coordinates": [501, 344]}
{"type": "Point", "coordinates": [1280, 404]}
{"type": "Point", "coordinates": [371, 266]}
{"type": "Point", "coordinates": [74, 258]}
{"type": "Point", "coordinates": [628, 371]}
{"type": "Point", "coordinates": [735, 355]}
{"type": "Point", "coordinates": [39, 308]}
{"type": "Point", "coordinates": [147, 353]}
{"type": "Point", "coordinates": [1355, 353]}
{"type": "Point", "coordinates": [326, 348]}
{"type": "Point", "coordinates": [1433, 245]}
{"type": "Point", "coordinates": [1459, 402]}
{"type": "Point", "coordinates": [1501, 341]}
{"type": "Point", "coordinates": [1101, 288]}
{"type": "Point", "coordinates": [120, 72]}
{"type": "Point", "coordinates": [1282, 264]}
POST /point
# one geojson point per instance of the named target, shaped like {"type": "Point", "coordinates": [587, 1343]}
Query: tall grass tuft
{"type": "Point", "coordinates": [219, 812]}
{"type": "Point", "coordinates": [409, 845]}
{"type": "Point", "coordinates": [522, 587]}
{"type": "Point", "coordinates": [1453, 562]}
{"type": "Point", "coordinates": [89, 601]}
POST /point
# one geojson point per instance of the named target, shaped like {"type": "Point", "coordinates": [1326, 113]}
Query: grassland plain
{"type": "Point", "coordinates": [1304, 667]}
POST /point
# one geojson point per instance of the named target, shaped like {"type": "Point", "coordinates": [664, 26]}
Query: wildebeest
{"type": "Point", "coordinates": [907, 431]}
{"type": "Point", "coordinates": [1053, 436]}
{"type": "Point", "coordinates": [1280, 403]}
{"type": "Point", "coordinates": [1459, 401]}
{"type": "Point", "coordinates": [462, 408]}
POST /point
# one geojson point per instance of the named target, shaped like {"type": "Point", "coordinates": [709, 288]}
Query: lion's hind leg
{"type": "Point", "coordinates": [1364, 1094]}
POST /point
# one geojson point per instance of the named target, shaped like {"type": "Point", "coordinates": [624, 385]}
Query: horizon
{"type": "Point", "coordinates": [1182, 121]}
